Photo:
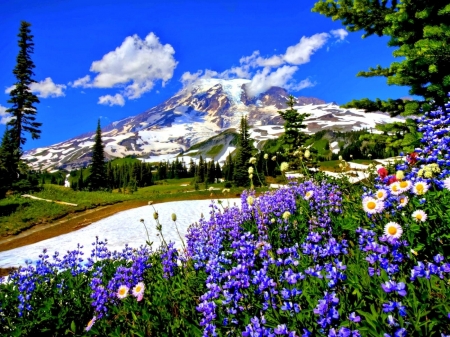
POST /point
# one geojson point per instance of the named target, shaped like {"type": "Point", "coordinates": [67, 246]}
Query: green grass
{"type": "Point", "coordinates": [215, 150]}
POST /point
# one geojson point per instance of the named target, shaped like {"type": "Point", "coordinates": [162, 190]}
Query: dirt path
{"type": "Point", "coordinates": [69, 223]}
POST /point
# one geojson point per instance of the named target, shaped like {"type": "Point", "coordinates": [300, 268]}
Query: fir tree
{"type": "Point", "coordinates": [97, 178]}
{"type": "Point", "coordinates": [201, 170]}
{"type": "Point", "coordinates": [418, 31]}
{"type": "Point", "coordinates": [218, 171]}
{"type": "Point", "coordinates": [293, 136]}
{"type": "Point", "coordinates": [244, 153]}
{"type": "Point", "coordinates": [8, 163]}
{"type": "Point", "coordinates": [23, 110]}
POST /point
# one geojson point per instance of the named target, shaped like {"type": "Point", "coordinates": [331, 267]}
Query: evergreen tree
{"type": "Point", "coordinates": [192, 168]}
{"type": "Point", "coordinates": [244, 153]}
{"type": "Point", "coordinates": [201, 170]}
{"type": "Point", "coordinates": [80, 183]}
{"type": "Point", "coordinates": [218, 171]}
{"type": "Point", "coordinates": [23, 101]}
{"type": "Point", "coordinates": [211, 174]}
{"type": "Point", "coordinates": [293, 125]}
{"type": "Point", "coordinates": [418, 30]}
{"type": "Point", "coordinates": [97, 178]}
{"type": "Point", "coordinates": [8, 163]}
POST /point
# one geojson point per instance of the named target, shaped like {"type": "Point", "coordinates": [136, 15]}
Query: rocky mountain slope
{"type": "Point", "coordinates": [196, 114]}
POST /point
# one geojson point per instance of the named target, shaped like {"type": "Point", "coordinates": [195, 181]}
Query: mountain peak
{"type": "Point", "coordinates": [200, 111]}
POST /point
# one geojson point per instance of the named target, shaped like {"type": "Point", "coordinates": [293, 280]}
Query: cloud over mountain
{"type": "Point", "coordinates": [274, 70]}
{"type": "Point", "coordinates": [136, 65]}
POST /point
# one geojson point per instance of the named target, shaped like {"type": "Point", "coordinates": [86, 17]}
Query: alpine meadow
{"type": "Point", "coordinates": [343, 223]}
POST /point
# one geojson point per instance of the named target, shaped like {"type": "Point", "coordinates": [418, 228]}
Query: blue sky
{"type": "Point", "coordinates": [114, 59]}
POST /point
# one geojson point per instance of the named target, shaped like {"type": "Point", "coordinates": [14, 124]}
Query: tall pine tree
{"type": "Point", "coordinates": [97, 179]}
{"type": "Point", "coordinates": [244, 153]}
{"type": "Point", "coordinates": [23, 110]}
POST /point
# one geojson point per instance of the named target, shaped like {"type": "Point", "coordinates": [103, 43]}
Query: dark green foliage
{"type": "Point", "coordinates": [218, 171]}
{"type": "Point", "coordinates": [8, 163]}
{"type": "Point", "coordinates": [243, 154]}
{"type": "Point", "coordinates": [418, 30]}
{"type": "Point", "coordinates": [23, 113]}
{"type": "Point", "coordinates": [293, 136]}
{"type": "Point", "coordinates": [201, 170]}
{"type": "Point", "coordinates": [22, 99]}
{"type": "Point", "coordinates": [211, 172]}
{"type": "Point", "coordinates": [97, 179]}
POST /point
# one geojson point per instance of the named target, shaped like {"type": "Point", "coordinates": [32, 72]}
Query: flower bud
{"type": "Point", "coordinates": [266, 156]}
{"type": "Point", "coordinates": [155, 215]}
{"type": "Point", "coordinates": [284, 166]}
{"type": "Point", "coordinates": [274, 158]}
{"type": "Point", "coordinates": [252, 160]}
{"type": "Point", "coordinates": [307, 154]}
{"type": "Point", "coordinates": [340, 157]}
{"type": "Point", "coordinates": [400, 175]}
{"type": "Point", "coordinates": [250, 176]}
{"type": "Point", "coordinates": [174, 217]}
{"type": "Point", "coordinates": [250, 170]}
{"type": "Point", "coordinates": [250, 200]}
{"type": "Point", "coordinates": [286, 215]}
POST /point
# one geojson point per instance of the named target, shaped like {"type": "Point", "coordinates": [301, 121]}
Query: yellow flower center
{"type": "Point", "coordinates": [122, 291]}
{"type": "Point", "coordinates": [392, 230]}
{"type": "Point", "coordinates": [380, 194]}
{"type": "Point", "coordinates": [138, 289]}
{"type": "Point", "coordinates": [419, 216]}
{"type": "Point", "coordinates": [402, 200]}
{"type": "Point", "coordinates": [403, 184]}
{"type": "Point", "coordinates": [308, 194]}
{"type": "Point", "coordinates": [419, 188]}
{"type": "Point", "coordinates": [371, 205]}
{"type": "Point", "coordinates": [395, 188]}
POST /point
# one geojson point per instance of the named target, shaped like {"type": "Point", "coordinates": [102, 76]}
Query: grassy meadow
{"type": "Point", "coordinates": [18, 213]}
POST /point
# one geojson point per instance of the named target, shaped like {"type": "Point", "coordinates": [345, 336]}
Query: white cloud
{"type": "Point", "coordinates": [9, 89]}
{"type": "Point", "coordinates": [303, 84]}
{"type": "Point", "coordinates": [46, 88]}
{"type": "Point", "coordinates": [83, 82]}
{"type": "Point", "coordinates": [117, 99]}
{"type": "Point", "coordinates": [136, 64]}
{"type": "Point", "coordinates": [265, 79]}
{"type": "Point", "coordinates": [302, 51]}
{"type": "Point", "coordinates": [340, 33]}
{"type": "Point", "coordinates": [259, 68]}
{"type": "Point", "coordinates": [4, 116]}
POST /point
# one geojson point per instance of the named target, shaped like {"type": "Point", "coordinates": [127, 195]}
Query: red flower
{"type": "Point", "coordinates": [382, 172]}
{"type": "Point", "coordinates": [392, 179]}
{"type": "Point", "coordinates": [412, 158]}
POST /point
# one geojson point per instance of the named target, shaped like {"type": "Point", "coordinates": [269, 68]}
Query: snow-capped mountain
{"type": "Point", "coordinates": [195, 114]}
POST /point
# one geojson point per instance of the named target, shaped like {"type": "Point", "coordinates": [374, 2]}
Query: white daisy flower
{"type": "Point", "coordinates": [308, 195]}
{"type": "Point", "coordinates": [446, 182]}
{"type": "Point", "coordinates": [419, 216]}
{"type": "Point", "coordinates": [122, 292]}
{"type": "Point", "coordinates": [402, 200]}
{"type": "Point", "coordinates": [420, 188]}
{"type": "Point", "coordinates": [381, 194]}
{"type": "Point", "coordinates": [395, 188]}
{"type": "Point", "coordinates": [372, 206]}
{"type": "Point", "coordinates": [393, 230]}
{"type": "Point", "coordinates": [404, 185]}
{"type": "Point", "coordinates": [138, 290]}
